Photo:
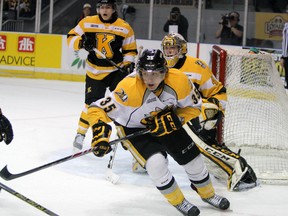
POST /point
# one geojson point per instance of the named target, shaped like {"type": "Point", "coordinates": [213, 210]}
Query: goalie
{"type": "Point", "coordinates": [226, 164]}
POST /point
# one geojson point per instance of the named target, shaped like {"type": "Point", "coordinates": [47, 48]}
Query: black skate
{"type": "Point", "coordinates": [218, 202]}
{"type": "Point", "coordinates": [187, 208]}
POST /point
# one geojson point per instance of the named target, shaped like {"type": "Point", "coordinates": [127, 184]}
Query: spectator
{"type": "Point", "coordinates": [6, 5]}
{"type": "Point", "coordinates": [284, 58]}
{"type": "Point", "coordinates": [86, 12]}
{"type": "Point", "coordinates": [12, 5]}
{"type": "Point", "coordinates": [177, 19]}
{"type": "Point", "coordinates": [24, 9]}
{"type": "Point", "coordinates": [12, 13]}
{"type": "Point", "coordinates": [230, 32]}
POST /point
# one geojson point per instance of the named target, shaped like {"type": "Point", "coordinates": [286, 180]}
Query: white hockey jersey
{"type": "Point", "coordinates": [131, 101]}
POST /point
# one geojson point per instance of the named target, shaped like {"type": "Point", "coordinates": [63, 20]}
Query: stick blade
{"type": "Point", "coordinates": [5, 174]}
{"type": "Point", "coordinates": [111, 176]}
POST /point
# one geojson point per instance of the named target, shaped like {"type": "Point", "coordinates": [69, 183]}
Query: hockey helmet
{"type": "Point", "coordinates": [152, 60]}
{"type": "Point", "coordinates": [112, 2]}
{"type": "Point", "coordinates": [174, 39]}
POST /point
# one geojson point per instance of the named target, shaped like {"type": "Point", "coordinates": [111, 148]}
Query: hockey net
{"type": "Point", "coordinates": [256, 115]}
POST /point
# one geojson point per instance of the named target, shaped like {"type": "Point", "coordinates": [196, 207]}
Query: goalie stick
{"type": "Point", "coordinates": [5, 174]}
{"type": "Point", "coordinates": [27, 200]}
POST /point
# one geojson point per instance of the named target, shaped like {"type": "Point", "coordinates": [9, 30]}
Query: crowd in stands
{"type": "Point", "coordinates": [25, 8]}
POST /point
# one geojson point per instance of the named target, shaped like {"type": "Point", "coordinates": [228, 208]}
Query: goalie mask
{"type": "Point", "coordinates": [152, 68]}
{"type": "Point", "coordinates": [174, 47]}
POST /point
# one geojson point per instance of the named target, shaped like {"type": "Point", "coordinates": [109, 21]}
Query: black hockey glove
{"type": "Point", "coordinates": [129, 67]}
{"type": "Point", "coordinates": [87, 43]}
{"type": "Point", "coordinates": [6, 131]}
{"type": "Point", "coordinates": [165, 122]}
{"type": "Point", "coordinates": [100, 141]}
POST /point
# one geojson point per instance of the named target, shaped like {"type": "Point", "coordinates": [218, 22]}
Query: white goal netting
{"type": "Point", "coordinates": [256, 116]}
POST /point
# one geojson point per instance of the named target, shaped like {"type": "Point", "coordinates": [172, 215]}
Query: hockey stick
{"type": "Point", "coordinates": [27, 200]}
{"type": "Point", "coordinates": [5, 174]}
{"type": "Point", "coordinates": [109, 60]}
{"type": "Point", "coordinates": [112, 62]}
{"type": "Point", "coordinates": [110, 175]}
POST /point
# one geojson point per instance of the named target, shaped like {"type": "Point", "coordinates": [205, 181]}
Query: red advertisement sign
{"type": "Point", "coordinates": [3, 42]}
{"type": "Point", "coordinates": [26, 44]}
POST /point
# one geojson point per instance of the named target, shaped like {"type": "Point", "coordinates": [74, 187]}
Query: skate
{"type": "Point", "coordinates": [218, 202]}
{"type": "Point", "coordinates": [78, 141]}
{"type": "Point", "coordinates": [187, 208]}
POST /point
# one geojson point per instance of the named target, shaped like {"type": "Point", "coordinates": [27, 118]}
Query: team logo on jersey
{"type": "Point", "coordinates": [3, 42]}
{"type": "Point", "coordinates": [122, 95]}
{"type": "Point", "coordinates": [201, 64]}
{"type": "Point", "coordinates": [26, 44]}
{"type": "Point", "coordinates": [89, 89]}
{"type": "Point", "coordinates": [151, 100]}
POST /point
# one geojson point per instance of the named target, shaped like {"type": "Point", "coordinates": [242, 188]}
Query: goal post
{"type": "Point", "coordinates": [256, 115]}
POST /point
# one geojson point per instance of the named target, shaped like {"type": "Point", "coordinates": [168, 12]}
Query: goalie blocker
{"type": "Point", "coordinates": [239, 174]}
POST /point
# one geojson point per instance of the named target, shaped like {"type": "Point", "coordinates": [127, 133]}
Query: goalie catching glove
{"type": "Point", "coordinates": [165, 122]}
{"type": "Point", "coordinates": [100, 141]}
{"type": "Point", "coordinates": [210, 114]}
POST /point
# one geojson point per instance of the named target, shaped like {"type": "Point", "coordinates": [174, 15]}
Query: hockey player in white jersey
{"type": "Point", "coordinates": [160, 100]}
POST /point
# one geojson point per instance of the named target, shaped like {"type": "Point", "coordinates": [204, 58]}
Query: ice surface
{"type": "Point", "coordinates": [44, 115]}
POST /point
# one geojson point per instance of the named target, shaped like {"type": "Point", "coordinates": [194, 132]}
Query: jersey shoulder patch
{"type": "Point", "coordinates": [201, 63]}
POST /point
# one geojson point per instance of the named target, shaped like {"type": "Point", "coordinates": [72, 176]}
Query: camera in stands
{"type": "Point", "coordinates": [174, 16]}
{"type": "Point", "coordinates": [225, 19]}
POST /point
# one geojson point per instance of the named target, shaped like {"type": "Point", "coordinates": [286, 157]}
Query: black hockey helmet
{"type": "Point", "coordinates": [152, 60]}
{"type": "Point", "coordinates": [112, 2]}
{"type": "Point", "coordinates": [106, 1]}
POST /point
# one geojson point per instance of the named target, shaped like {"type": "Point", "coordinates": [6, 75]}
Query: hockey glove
{"type": "Point", "coordinates": [210, 114]}
{"type": "Point", "coordinates": [100, 141]}
{"type": "Point", "coordinates": [165, 122]}
{"type": "Point", "coordinates": [6, 131]}
{"type": "Point", "coordinates": [87, 43]}
{"type": "Point", "coordinates": [128, 67]}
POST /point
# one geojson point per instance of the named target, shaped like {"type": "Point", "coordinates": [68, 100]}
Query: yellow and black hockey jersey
{"type": "Point", "coordinates": [116, 40]}
{"type": "Point", "coordinates": [202, 77]}
{"type": "Point", "coordinates": [131, 101]}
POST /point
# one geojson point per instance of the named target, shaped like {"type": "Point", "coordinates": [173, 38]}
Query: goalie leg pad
{"type": "Point", "coordinates": [232, 163]}
{"type": "Point", "coordinates": [247, 181]}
